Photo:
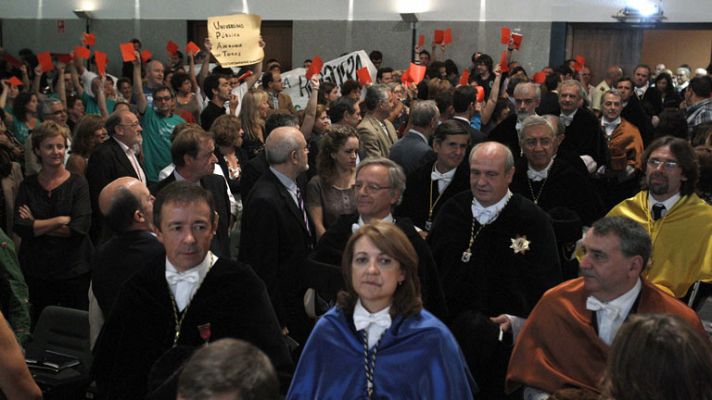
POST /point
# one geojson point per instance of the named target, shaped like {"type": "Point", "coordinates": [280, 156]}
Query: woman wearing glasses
{"type": "Point", "coordinates": [379, 342]}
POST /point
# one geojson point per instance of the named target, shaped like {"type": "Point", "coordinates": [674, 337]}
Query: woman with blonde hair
{"type": "Point", "coordinates": [252, 116]}
{"type": "Point", "coordinates": [379, 342]}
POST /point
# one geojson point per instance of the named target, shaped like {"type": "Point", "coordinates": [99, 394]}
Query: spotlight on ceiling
{"type": "Point", "coordinates": [641, 12]}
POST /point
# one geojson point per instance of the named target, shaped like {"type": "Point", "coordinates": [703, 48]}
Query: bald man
{"type": "Point", "coordinates": [497, 255]}
{"type": "Point", "coordinates": [276, 232]}
{"type": "Point", "coordinates": [127, 207]}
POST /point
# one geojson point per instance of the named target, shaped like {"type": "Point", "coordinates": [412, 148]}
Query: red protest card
{"type": "Point", "coordinates": [480, 94]}
{"type": "Point", "coordinates": [64, 58]}
{"type": "Point", "coordinates": [82, 52]}
{"type": "Point", "coordinates": [539, 77]}
{"type": "Point", "coordinates": [503, 66]}
{"type": "Point", "coordinates": [45, 60]}
{"type": "Point", "coordinates": [12, 60]}
{"type": "Point", "coordinates": [447, 36]}
{"type": "Point", "coordinates": [364, 77]}
{"type": "Point", "coordinates": [405, 78]}
{"type": "Point", "coordinates": [421, 40]}
{"type": "Point", "coordinates": [416, 72]}
{"type": "Point", "coordinates": [13, 81]}
{"type": "Point", "coordinates": [146, 55]}
{"type": "Point", "coordinates": [465, 77]}
{"type": "Point", "coordinates": [245, 76]}
{"type": "Point", "coordinates": [192, 48]}
{"type": "Point", "coordinates": [172, 47]}
{"type": "Point", "coordinates": [580, 61]}
{"type": "Point", "coordinates": [127, 52]}
{"type": "Point", "coordinates": [439, 36]}
{"type": "Point", "coordinates": [517, 40]}
{"type": "Point", "coordinates": [100, 60]}
{"type": "Point", "coordinates": [88, 39]}
{"type": "Point", "coordinates": [315, 67]}
{"type": "Point", "coordinates": [505, 35]}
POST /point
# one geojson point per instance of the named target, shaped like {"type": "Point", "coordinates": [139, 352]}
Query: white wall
{"type": "Point", "coordinates": [363, 10]}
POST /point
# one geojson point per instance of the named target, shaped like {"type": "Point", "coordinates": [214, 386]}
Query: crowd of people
{"type": "Point", "coordinates": [502, 234]}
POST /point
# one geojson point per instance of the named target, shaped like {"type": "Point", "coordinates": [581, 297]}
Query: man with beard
{"type": "Point", "coordinates": [526, 99]}
{"type": "Point", "coordinates": [679, 222]}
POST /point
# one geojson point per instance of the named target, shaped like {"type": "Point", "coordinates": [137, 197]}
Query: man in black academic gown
{"type": "Point", "coordinates": [185, 299]}
{"type": "Point", "coordinates": [379, 185]}
{"type": "Point", "coordinates": [431, 185]}
{"type": "Point", "coordinates": [526, 98]}
{"type": "Point", "coordinates": [497, 255]}
{"type": "Point", "coordinates": [633, 111]}
{"type": "Point", "coordinates": [556, 186]}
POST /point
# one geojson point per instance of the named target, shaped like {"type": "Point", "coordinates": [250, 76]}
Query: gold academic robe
{"type": "Point", "coordinates": [682, 241]}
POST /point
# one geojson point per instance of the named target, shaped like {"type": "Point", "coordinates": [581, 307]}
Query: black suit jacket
{"type": "Point", "coordinates": [634, 113]}
{"type": "Point", "coordinates": [117, 260]}
{"type": "Point", "coordinates": [255, 168]}
{"type": "Point", "coordinates": [584, 136]}
{"type": "Point", "coordinates": [652, 101]}
{"type": "Point", "coordinates": [276, 241]}
{"type": "Point", "coordinates": [216, 185]}
{"type": "Point", "coordinates": [142, 326]}
{"type": "Point", "coordinates": [324, 268]}
{"type": "Point", "coordinates": [107, 163]}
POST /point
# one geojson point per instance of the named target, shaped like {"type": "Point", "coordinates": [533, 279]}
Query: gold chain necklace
{"type": "Point", "coordinates": [179, 321]}
{"type": "Point", "coordinates": [467, 254]}
{"type": "Point", "coordinates": [531, 190]}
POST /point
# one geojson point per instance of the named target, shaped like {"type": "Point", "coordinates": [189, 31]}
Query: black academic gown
{"type": "Point", "coordinates": [584, 136]}
{"type": "Point", "coordinates": [496, 280]}
{"type": "Point", "coordinates": [325, 262]}
{"type": "Point", "coordinates": [416, 198]}
{"type": "Point", "coordinates": [141, 328]}
{"type": "Point", "coordinates": [634, 113]}
{"type": "Point", "coordinates": [506, 133]}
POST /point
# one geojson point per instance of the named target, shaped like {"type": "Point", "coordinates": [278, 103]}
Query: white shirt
{"type": "Point", "coordinates": [640, 91]}
{"type": "Point", "coordinates": [443, 178]}
{"type": "Point", "coordinates": [381, 321]}
{"type": "Point", "coordinates": [486, 215]}
{"type": "Point", "coordinates": [669, 203]}
{"type": "Point", "coordinates": [188, 281]}
{"type": "Point", "coordinates": [608, 326]}
{"type": "Point", "coordinates": [537, 176]}
{"type": "Point", "coordinates": [566, 119]}
{"type": "Point", "coordinates": [361, 222]}
{"type": "Point", "coordinates": [610, 126]}
{"type": "Point", "coordinates": [132, 159]}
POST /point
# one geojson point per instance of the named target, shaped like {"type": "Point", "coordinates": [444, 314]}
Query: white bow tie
{"type": "Point", "coordinates": [518, 126]}
{"type": "Point", "coordinates": [483, 215]}
{"type": "Point", "coordinates": [175, 278]}
{"type": "Point", "coordinates": [437, 176]}
{"type": "Point", "coordinates": [610, 311]}
{"type": "Point", "coordinates": [537, 176]}
{"type": "Point", "coordinates": [611, 125]}
{"type": "Point", "coordinates": [362, 320]}
{"type": "Point", "coordinates": [566, 119]}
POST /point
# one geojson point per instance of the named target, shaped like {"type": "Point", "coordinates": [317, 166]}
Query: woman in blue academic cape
{"type": "Point", "coordinates": [379, 342]}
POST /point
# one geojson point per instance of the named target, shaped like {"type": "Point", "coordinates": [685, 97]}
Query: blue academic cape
{"type": "Point", "coordinates": [417, 358]}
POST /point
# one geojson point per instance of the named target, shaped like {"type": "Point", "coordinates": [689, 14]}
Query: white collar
{"type": "Point", "coordinates": [123, 145]}
{"type": "Point", "coordinates": [413, 131]}
{"type": "Point", "coordinates": [201, 268]}
{"type": "Point", "coordinates": [573, 113]}
{"type": "Point", "coordinates": [361, 222]}
{"type": "Point", "coordinates": [544, 173]}
{"type": "Point", "coordinates": [625, 301]}
{"type": "Point", "coordinates": [615, 122]}
{"type": "Point", "coordinates": [486, 215]}
{"type": "Point", "coordinates": [669, 203]}
{"type": "Point", "coordinates": [448, 174]}
{"type": "Point", "coordinates": [180, 178]}
{"type": "Point", "coordinates": [375, 323]}
{"type": "Point", "coordinates": [461, 119]}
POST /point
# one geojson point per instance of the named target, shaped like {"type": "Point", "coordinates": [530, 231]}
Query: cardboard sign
{"type": "Point", "coordinates": [505, 35]}
{"type": "Point", "coordinates": [439, 36]}
{"type": "Point", "coordinates": [127, 52]}
{"type": "Point", "coordinates": [364, 77]}
{"type": "Point", "coordinates": [100, 60]}
{"type": "Point", "coordinates": [82, 53]}
{"type": "Point", "coordinates": [236, 39]}
{"type": "Point", "coordinates": [146, 55]}
{"type": "Point", "coordinates": [172, 47]}
{"type": "Point", "coordinates": [465, 77]}
{"type": "Point", "coordinates": [416, 72]}
{"type": "Point", "coordinates": [88, 39]}
{"type": "Point", "coordinates": [517, 40]}
{"type": "Point", "coordinates": [447, 36]}
{"type": "Point", "coordinates": [64, 58]}
{"type": "Point", "coordinates": [45, 60]}
{"type": "Point", "coordinates": [315, 67]}
{"type": "Point", "coordinates": [192, 48]}
{"type": "Point", "coordinates": [421, 40]}
{"type": "Point", "coordinates": [13, 81]}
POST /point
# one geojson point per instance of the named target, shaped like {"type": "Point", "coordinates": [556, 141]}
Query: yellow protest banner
{"type": "Point", "coordinates": [235, 39]}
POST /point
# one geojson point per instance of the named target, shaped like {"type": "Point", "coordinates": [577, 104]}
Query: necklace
{"type": "Point", "coordinates": [431, 206]}
{"type": "Point", "coordinates": [179, 321]}
{"type": "Point", "coordinates": [369, 363]}
{"type": "Point", "coordinates": [467, 254]}
{"type": "Point", "coordinates": [541, 189]}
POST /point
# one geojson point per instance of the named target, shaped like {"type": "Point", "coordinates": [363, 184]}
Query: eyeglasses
{"type": "Point", "coordinates": [370, 188]}
{"type": "Point", "coordinates": [669, 164]}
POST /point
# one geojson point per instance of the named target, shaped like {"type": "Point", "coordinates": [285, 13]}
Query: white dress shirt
{"type": "Point", "coordinates": [443, 178]}
{"type": "Point", "coordinates": [486, 215]}
{"type": "Point", "coordinates": [537, 176]}
{"type": "Point", "coordinates": [669, 203]}
{"type": "Point", "coordinates": [133, 160]}
{"type": "Point", "coordinates": [361, 222]}
{"type": "Point", "coordinates": [183, 285]}
{"type": "Point", "coordinates": [375, 324]}
{"type": "Point", "coordinates": [613, 313]}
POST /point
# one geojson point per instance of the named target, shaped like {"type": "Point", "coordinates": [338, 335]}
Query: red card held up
{"type": "Point", "coordinates": [416, 72]}
{"type": "Point", "coordinates": [465, 77]}
{"type": "Point", "coordinates": [192, 48]}
{"type": "Point", "coordinates": [315, 67]}
{"type": "Point", "coordinates": [505, 35]}
{"type": "Point", "coordinates": [480, 94]}
{"type": "Point", "coordinates": [146, 55]}
{"type": "Point", "coordinates": [171, 47]}
{"type": "Point", "coordinates": [45, 60]}
{"type": "Point", "coordinates": [82, 52]}
{"type": "Point", "coordinates": [64, 58]}
{"type": "Point", "coordinates": [88, 39]}
{"type": "Point", "coordinates": [127, 52]}
{"type": "Point", "coordinates": [539, 77]}
{"type": "Point", "coordinates": [447, 36]}
{"type": "Point", "coordinates": [421, 40]}
{"type": "Point", "coordinates": [503, 66]}
{"type": "Point", "coordinates": [12, 60]}
{"type": "Point", "coordinates": [580, 62]}
{"type": "Point", "coordinates": [364, 77]}
{"type": "Point", "coordinates": [439, 36]}
{"type": "Point", "coordinates": [405, 78]}
{"type": "Point", "coordinates": [13, 81]}
{"type": "Point", "coordinates": [517, 40]}
{"type": "Point", "coordinates": [100, 60]}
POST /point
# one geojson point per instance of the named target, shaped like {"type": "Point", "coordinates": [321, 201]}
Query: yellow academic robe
{"type": "Point", "coordinates": [682, 241]}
